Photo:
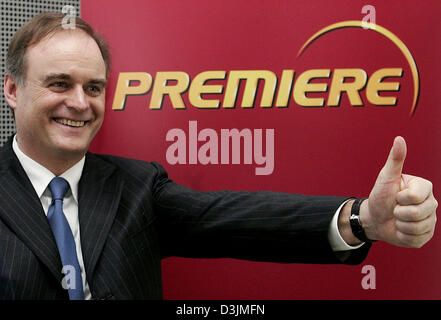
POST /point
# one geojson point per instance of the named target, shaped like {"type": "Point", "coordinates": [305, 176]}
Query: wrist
{"type": "Point", "coordinates": [344, 226]}
{"type": "Point", "coordinates": [358, 226]}
{"type": "Point", "coordinates": [366, 221]}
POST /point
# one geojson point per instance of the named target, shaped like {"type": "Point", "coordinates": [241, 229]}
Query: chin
{"type": "Point", "coordinates": [71, 150]}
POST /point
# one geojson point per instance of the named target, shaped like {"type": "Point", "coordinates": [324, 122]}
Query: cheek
{"type": "Point", "coordinates": [99, 108]}
{"type": "Point", "coordinates": [38, 101]}
{"type": "Point", "coordinates": [46, 101]}
{"type": "Point", "coordinates": [38, 94]}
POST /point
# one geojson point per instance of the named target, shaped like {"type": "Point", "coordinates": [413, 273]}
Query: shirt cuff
{"type": "Point", "coordinates": [335, 240]}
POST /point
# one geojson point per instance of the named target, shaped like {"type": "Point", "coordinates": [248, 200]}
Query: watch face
{"type": "Point", "coordinates": [355, 222]}
{"type": "Point", "coordinates": [357, 229]}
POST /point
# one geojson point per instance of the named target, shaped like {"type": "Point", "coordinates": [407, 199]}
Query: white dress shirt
{"type": "Point", "coordinates": [40, 178]}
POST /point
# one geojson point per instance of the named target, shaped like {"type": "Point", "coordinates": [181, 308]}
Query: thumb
{"type": "Point", "coordinates": [394, 164]}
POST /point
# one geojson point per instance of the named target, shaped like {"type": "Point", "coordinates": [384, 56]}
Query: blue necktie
{"type": "Point", "coordinates": [64, 239]}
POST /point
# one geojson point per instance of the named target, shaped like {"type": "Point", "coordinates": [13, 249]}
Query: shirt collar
{"type": "Point", "coordinates": [41, 176]}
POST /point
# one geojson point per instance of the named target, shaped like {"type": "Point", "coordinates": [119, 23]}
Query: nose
{"type": "Point", "coordinates": [77, 99]}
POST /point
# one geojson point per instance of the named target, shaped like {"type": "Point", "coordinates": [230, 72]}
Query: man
{"type": "Point", "coordinates": [78, 225]}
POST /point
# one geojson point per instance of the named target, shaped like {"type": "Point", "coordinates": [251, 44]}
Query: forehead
{"type": "Point", "coordinates": [67, 51]}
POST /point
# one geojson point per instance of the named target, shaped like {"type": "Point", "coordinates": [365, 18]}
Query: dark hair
{"type": "Point", "coordinates": [36, 30]}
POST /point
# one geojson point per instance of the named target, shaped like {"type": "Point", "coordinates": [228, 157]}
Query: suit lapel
{"type": "Point", "coordinates": [99, 192]}
{"type": "Point", "coordinates": [21, 211]}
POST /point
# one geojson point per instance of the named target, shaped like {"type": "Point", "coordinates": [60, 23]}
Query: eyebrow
{"type": "Point", "coordinates": [64, 76]}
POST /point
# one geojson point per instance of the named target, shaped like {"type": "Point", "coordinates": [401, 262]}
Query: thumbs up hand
{"type": "Point", "coordinates": [401, 208]}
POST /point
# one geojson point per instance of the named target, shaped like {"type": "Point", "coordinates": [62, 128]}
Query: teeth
{"type": "Point", "coordinates": [70, 123]}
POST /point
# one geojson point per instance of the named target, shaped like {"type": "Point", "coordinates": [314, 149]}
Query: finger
{"type": "Point", "coordinates": [418, 227]}
{"type": "Point", "coordinates": [417, 212]}
{"type": "Point", "coordinates": [411, 241]}
{"type": "Point", "coordinates": [417, 191]}
{"type": "Point", "coordinates": [394, 163]}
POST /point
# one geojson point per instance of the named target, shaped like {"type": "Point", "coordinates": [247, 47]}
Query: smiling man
{"type": "Point", "coordinates": [60, 105]}
{"type": "Point", "coordinates": [83, 226]}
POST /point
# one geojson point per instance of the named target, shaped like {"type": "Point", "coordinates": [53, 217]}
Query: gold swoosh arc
{"type": "Point", "coordinates": [383, 31]}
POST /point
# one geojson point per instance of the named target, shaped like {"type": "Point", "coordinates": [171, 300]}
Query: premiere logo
{"type": "Point", "coordinates": [216, 89]}
{"type": "Point", "coordinates": [389, 35]}
{"type": "Point", "coordinates": [277, 90]}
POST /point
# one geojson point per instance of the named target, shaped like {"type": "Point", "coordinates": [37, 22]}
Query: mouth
{"type": "Point", "coordinates": [70, 123]}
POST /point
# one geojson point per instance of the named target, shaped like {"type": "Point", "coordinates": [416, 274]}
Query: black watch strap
{"type": "Point", "coordinates": [355, 222]}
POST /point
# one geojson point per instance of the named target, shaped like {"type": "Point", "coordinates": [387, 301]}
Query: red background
{"type": "Point", "coordinates": [335, 151]}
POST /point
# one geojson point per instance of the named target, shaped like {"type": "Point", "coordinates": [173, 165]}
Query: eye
{"type": "Point", "coordinates": [94, 90]}
{"type": "Point", "coordinates": [59, 85]}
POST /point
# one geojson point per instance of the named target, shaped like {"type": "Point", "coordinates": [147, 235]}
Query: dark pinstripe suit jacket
{"type": "Point", "coordinates": [131, 216]}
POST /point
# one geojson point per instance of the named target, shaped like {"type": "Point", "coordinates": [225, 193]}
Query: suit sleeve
{"type": "Point", "coordinates": [258, 226]}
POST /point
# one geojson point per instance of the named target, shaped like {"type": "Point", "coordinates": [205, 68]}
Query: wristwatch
{"type": "Point", "coordinates": [355, 222]}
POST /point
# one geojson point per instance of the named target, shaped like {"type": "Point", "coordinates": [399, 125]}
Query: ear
{"type": "Point", "coordinates": [10, 91]}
